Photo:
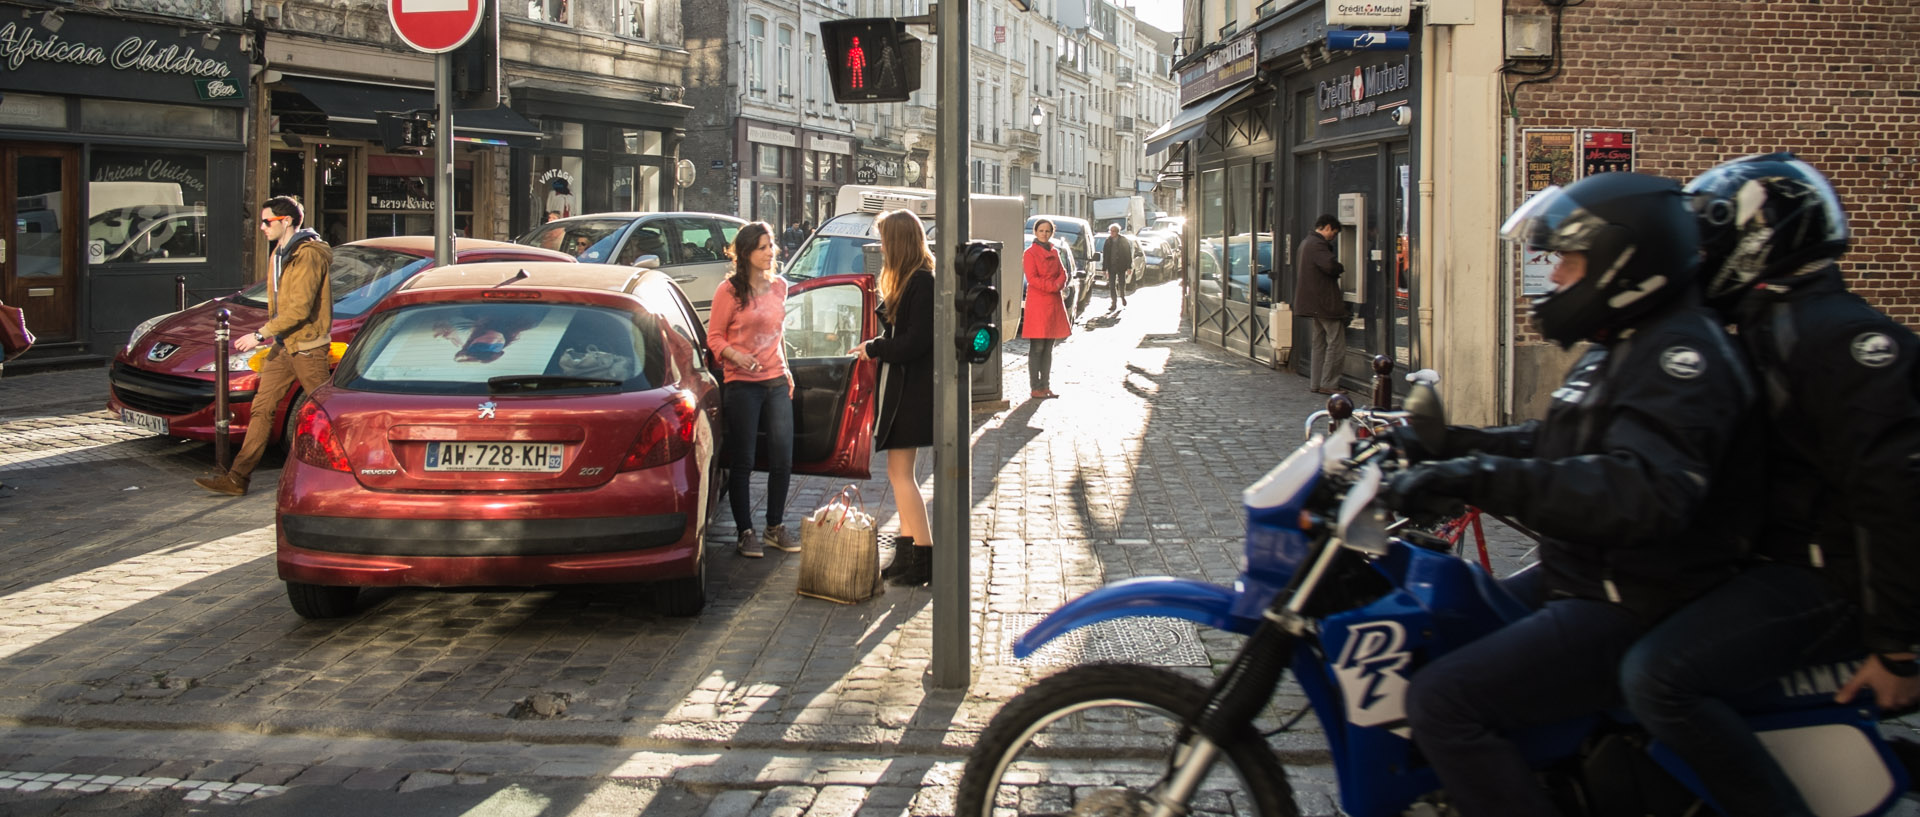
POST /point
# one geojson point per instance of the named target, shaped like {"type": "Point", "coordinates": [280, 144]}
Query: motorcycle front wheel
{"type": "Point", "coordinates": [1102, 739]}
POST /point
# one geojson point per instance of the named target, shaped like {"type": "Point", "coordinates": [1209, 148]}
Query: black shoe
{"type": "Point", "coordinates": [919, 569]}
{"type": "Point", "coordinates": [901, 558]}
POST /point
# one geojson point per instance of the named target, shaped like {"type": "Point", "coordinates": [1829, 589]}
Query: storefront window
{"type": "Point", "coordinates": [339, 188]}
{"type": "Point", "coordinates": [146, 207]}
{"type": "Point", "coordinates": [152, 119]}
{"type": "Point", "coordinates": [767, 160]}
{"type": "Point", "coordinates": [639, 142]}
{"type": "Point", "coordinates": [622, 196]}
{"type": "Point", "coordinates": [769, 203]}
{"type": "Point", "coordinates": [1402, 259]}
{"type": "Point", "coordinates": [1213, 225]}
{"type": "Point", "coordinates": [400, 198]}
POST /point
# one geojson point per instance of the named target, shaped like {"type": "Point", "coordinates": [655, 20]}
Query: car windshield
{"type": "Point", "coordinates": [829, 255]}
{"type": "Point", "coordinates": [503, 348]}
{"type": "Point", "coordinates": [588, 239]}
{"type": "Point", "coordinates": [361, 276]}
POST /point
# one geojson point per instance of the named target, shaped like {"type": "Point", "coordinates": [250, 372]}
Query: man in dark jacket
{"type": "Point", "coordinates": [1117, 260]}
{"type": "Point", "coordinates": [1627, 479]}
{"type": "Point", "coordinates": [299, 327]}
{"type": "Point", "coordinates": [1316, 296]}
{"type": "Point", "coordinates": [1842, 386]}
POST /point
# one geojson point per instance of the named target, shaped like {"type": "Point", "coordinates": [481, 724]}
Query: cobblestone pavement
{"type": "Point", "coordinates": [146, 646]}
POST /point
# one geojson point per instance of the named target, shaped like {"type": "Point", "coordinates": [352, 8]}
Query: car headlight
{"type": "Point", "coordinates": [144, 327]}
{"type": "Point", "coordinates": [236, 362]}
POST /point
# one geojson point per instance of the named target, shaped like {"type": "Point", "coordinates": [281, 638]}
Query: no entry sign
{"type": "Point", "coordinates": [435, 26]}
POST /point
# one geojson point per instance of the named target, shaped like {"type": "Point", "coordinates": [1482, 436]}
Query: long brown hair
{"type": "Point", "coordinates": [903, 251]}
{"type": "Point", "coordinates": [744, 243]}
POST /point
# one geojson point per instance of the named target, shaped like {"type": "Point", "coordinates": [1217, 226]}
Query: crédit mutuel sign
{"type": "Point", "coordinates": [32, 58]}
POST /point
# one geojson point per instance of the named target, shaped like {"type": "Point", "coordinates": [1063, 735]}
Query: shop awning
{"type": "Point", "coordinates": [351, 108]}
{"type": "Point", "coordinates": [1190, 121]}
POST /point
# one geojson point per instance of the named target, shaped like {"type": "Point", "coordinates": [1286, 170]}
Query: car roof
{"type": "Point", "coordinates": [539, 275]}
{"type": "Point", "coordinates": [423, 244]}
{"type": "Point", "coordinates": [638, 214]}
{"type": "Point", "coordinates": [1057, 219]}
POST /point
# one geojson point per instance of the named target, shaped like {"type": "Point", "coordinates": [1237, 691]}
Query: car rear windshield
{"type": "Point", "coordinates": [498, 347]}
{"type": "Point", "coordinates": [588, 239]}
{"type": "Point", "coordinates": [361, 276]}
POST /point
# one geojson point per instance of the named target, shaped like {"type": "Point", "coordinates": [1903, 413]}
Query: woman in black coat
{"type": "Point", "coordinates": [905, 416]}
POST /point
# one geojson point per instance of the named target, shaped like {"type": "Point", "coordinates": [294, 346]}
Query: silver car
{"type": "Point", "coordinates": [690, 247]}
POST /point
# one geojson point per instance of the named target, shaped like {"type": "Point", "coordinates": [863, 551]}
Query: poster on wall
{"type": "Point", "coordinates": [1536, 266]}
{"type": "Point", "coordinates": [1606, 151]}
{"type": "Point", "coordinates": [1549, 156]}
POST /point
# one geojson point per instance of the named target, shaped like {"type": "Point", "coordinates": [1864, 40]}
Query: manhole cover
{"type": "Point", "coordinates": [1157, 640]}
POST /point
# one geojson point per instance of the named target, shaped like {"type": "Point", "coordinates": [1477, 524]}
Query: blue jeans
{"type": "Point", "coordinates": [1744, 634]}
{"type": "Point", "coordinates": [1557, 664]}
{"type": "Point", "coordinates": [750, 408]}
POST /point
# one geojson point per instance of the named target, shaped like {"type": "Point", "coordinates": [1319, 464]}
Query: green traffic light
{"type": "Point", "coordinates": [982, 342]}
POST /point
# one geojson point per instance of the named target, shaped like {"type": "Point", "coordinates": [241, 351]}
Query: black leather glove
{"type": "Point", "coordinates": [1437, 489]}
{"type": "Point", "coordinates": [1402, 440]}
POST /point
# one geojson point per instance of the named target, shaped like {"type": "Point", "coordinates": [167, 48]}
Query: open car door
{"type": "Point", "coordinates": [833, 393]}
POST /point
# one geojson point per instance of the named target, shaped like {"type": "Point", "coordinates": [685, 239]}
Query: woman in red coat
{"type": "Point", "coordinates": [1045, 321]}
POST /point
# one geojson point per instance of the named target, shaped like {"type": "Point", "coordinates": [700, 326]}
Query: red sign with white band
{"type": "Point", "coordinates": [435, 26]}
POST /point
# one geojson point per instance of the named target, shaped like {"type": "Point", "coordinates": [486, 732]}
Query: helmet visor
{"type": "Point", "coordinates": [1552, 220]}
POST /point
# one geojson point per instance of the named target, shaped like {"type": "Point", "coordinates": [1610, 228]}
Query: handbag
{"type": "Point", "coordinates": [840, 551]}
{"type": "Point", "coordinates": [15, 340]}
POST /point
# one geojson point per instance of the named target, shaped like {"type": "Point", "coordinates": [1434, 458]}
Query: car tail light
{"type": "Point", "coordinates": [666, 436]}
{"type": "Point", "coordinates": [313, 440]}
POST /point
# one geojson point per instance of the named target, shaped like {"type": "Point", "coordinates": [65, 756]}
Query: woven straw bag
{"type": "Point", "coordinates": [840, 550]}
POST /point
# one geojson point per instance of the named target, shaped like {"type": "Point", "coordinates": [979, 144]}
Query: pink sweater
{"type": "Point", "coordinates": [756, 330]}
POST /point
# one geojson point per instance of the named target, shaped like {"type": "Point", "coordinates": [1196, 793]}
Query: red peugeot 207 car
{"type": "Point", "coordinates": [537, 424]}
{"type": "Point", "coordinates": [162, 380]}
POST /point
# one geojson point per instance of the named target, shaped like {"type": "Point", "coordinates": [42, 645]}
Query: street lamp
{"type": "Point", "coordinates": [1039, 116]}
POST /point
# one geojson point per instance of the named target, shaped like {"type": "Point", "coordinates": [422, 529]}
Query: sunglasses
{"type": "Point", "coordinates": [266, 221]}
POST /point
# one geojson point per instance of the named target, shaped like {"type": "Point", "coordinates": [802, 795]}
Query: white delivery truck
{"type": "Point", "coordinates": [1130, 212]}
{"type": "Point", "coordinates": [836, 248]}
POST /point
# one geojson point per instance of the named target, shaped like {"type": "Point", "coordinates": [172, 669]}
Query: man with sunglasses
{"type": "Point", "coordinates": [299, 328]}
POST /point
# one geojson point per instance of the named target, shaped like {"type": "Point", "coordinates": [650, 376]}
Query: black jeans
{"type": "Point", "coordinates": [1747, 633]}
{"type": "Point", "coordinates": [1040, 362]}
{"type": "Point", "coordinates": [750, 407]}
{"type": "Point", "coordinates": [1559, 663]}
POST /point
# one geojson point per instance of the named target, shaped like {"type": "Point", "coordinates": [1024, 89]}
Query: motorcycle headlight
{"type": "Point", "coordinates": [144, 327]}
{"type": "Point", "coordinates": [236, 362]}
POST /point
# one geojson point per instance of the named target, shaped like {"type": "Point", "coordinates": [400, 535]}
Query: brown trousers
{"type": "Point", "coordinates": [277, 375]}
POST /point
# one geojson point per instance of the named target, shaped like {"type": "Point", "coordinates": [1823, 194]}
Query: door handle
{"type": "Point", "coordinates": [683, 278]}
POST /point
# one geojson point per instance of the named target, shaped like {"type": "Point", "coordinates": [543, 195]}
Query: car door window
{"type": "Point", "coordinates": [646, 239]}
{"type": "Point", "coordinates": [824, 322]}
{"type": "Point", "coordinates": [701, 240]}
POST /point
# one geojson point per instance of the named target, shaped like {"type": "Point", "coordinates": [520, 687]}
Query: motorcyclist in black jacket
{"type": "Point", "coordinates": [1837, 561]}
{"type": "Point", "coordinates": [1623, 479]}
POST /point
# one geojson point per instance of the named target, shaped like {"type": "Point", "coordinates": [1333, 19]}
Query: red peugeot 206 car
{"type": "Point", "coordinates": [539, 424]}
{"type": "Point", "coordinates": [162, 380]}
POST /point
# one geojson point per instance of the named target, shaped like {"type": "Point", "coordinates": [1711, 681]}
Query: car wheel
{"type": "Point", "coordinates": [321, 601]}
{"type": "Point", "coordinates": [683, 598]}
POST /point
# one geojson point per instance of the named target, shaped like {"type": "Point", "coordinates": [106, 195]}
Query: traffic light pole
{"type": "Point", "coordinates": [443, 159]}
{"type": "Point", "coordinates": [953, 397]}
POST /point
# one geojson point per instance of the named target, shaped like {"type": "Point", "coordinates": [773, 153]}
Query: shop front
{"type": "Point", "coordinates": [121, 170]}
{"type": "Point", "coordinates": [768, 153]}
{"type": "Point", "coordinates": [598, 156]}
{"type": "Point", "coordinates": [825, 165]}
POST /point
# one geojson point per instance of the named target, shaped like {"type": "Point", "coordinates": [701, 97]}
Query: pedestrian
{"type": "Point", "coordinates": [745, 333]}
{"type": "Point", "coordinates": [790, 240]}
{"type": "Point", "coordinates": [299, 330]}
{"type": "Point", "coordinates": [1118, 262]}
{"type": "Point", "coordinates": [1637, 477]}
{"type": "Point", "coordinates": [1842, 479]}
{"type": "Point", "coordinates": [904, 349]}
{"type": "Point", "coordinates": [1316, 296]}
{"type": "Point", "coordinates": [1043, 320]}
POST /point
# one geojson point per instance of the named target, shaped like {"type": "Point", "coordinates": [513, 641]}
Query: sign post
{"type": "Point", "coordinates": [438, 27]}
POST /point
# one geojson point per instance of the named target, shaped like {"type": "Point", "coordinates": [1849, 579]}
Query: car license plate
{"type": "Point", "coordinates": [143, 421]}
{"type": "Point", "coordinates": [476, 456]}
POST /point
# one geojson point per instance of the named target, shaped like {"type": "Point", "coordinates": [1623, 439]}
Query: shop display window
{"type": "Point", "coordinates": [146, 207]}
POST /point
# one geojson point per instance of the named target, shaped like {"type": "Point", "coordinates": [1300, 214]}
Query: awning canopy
{"type": "Point", "coordinates": [1190, 121]}
{"type": "Point", "coordinates": [351, 108]}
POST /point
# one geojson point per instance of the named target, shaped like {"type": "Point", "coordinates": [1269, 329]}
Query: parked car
{"type": "Point", "coordinates": [162, 379]}
{"type": "Point", "coordinates": [1160, 254]}
{"type": "Point", "coordinates": [541, 424]}
{"type": "Point", "coordinates": [691, 247]}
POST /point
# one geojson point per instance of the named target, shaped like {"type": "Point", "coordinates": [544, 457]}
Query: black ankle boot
{"type": "Point", "coordinates": [919, 571]}
{"type": "Point", "coordinates": [901, 558]}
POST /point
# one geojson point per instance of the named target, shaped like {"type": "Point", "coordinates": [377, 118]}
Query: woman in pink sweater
{"type": "Point", "coordinates": [744, 332]}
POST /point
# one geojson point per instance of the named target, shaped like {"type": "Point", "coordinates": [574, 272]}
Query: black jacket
{"type": "Point", "coordinates": [1639, 479]}
{"type": "Point", "coordinates": [1316, 290]}
{"type": "Point", "coordinates": [1841, 383]}
{"type": "Point", "coordinates": [1119, 256]}
{"type": "Point", "coordinates": [905, 350]}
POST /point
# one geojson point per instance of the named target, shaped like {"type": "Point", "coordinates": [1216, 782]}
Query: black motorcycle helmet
{"type": "Point", "coordinates": [1764, 217]}
{"type": "Point", "coordinates": [1641, 244]}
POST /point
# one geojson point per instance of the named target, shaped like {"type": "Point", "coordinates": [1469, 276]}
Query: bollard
{"type": "Point", "coordinates": [1382, 382]}
{"type": "Point", "coordinates": [1339, 410]}
{"type": "Point", "coordinates": [222, 349]}
{"type": "Point", "coordinates": [179, 293]}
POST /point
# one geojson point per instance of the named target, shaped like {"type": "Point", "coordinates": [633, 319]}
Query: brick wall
{"type": "Point", "coordinates": [1701, 82]}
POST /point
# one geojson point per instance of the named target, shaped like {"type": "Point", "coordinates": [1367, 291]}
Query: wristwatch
{"type": "Point", "coordinates": [1902, 667]}
{"type": "Point", "coordinates": [259, 338]}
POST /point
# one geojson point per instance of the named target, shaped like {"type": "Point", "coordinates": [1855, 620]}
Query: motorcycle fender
{"type": "Point", "coordinates": [1198, 602]}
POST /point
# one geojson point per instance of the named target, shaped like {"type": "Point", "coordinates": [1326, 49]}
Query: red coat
{"type": "Point", "coordinates": [1046, 314]}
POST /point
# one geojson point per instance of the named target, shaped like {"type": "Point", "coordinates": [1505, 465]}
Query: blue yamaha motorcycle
{"type": "Point", "coordinates": [1355, 606]}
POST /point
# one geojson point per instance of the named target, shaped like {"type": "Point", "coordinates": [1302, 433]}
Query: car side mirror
{"type": "Point", "coordinates": [647, 262]}
{"type": "Point", "coordinates": [1426, 417]}
{"type": "Point", "coordinates": [1097, 255]}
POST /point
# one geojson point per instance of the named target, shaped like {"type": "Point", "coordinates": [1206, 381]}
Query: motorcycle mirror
{"type": "Point", "coordinates": [1361, 526]}
{"type": "Point", "coordinates": [1425, 416]}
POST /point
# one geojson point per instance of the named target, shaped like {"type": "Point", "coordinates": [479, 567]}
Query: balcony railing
{"type": "Point", "coordinates": [1023, 139]}
{"type": "Point", "coordinates": [1123, 123]}
{"type": "Point", "coordinates": [1123, 78]}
